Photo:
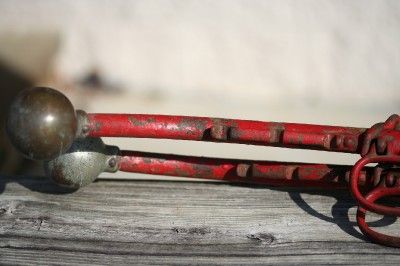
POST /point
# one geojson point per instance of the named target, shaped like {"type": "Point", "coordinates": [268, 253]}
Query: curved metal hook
{"type": "Point", "coordinates": [367, 203]}
{"type": "Point", "coordinates": [354, 179]}
{"type": "Point", "coordinates": [383, 239]}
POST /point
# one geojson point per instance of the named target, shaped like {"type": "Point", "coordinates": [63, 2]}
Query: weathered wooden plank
{"type": "Point", "coordinates": [179, 222]}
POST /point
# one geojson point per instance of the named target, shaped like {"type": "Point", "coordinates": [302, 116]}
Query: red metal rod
{"type": "Point", "coordinates": [303, 136]}
{"type": "Point", "coordinates": [256, 172]}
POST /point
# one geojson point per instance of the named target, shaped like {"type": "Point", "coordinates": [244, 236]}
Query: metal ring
{"type": "Point", "coordinates": [383, 239]}
{"type": "Point", "coordinates": [362, 201]}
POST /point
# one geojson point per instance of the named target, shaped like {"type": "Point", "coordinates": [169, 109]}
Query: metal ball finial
{"type": "Point", "coordinates": [41, 123]}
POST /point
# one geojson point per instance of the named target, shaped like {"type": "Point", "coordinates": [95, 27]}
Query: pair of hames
{"type": "Point", "coordinates": [43, 125]}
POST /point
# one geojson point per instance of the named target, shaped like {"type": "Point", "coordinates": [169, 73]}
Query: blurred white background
{"type": "Point", "coordinates": [328, 62]}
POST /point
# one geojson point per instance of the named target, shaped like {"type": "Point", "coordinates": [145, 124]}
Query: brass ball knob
{"type": "Point", "coordinates": [41, 123]}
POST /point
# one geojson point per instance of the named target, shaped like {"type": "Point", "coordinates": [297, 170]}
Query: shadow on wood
{"type": "Point", "coordinates": [339, 211]}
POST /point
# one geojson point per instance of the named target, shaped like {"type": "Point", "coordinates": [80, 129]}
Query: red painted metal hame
{"type": "Point", "coordinates": [43, 125]}
{"type": "Point", "coordinates": [379, 144]}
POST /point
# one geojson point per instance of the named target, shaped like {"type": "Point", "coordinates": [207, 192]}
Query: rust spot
{"type": "Point", "coordinates": [202, 171]}
{"type": "Point", "coordinates": [136, 122]}
{"type": "Point", "coordinates": [151, 120]}
{"type": "Point", "coordinates": [341, 142]}
{"type": "Point", "coordinates": [290, 171]}
{"type": "Point", "coordinates": [278, 173]}
{"type": "Point", "coordinates": [242, 170]}
{"type": "Point", "coordinates": [187, 122]}
{"type": "Point", "coordinates": [192, 126]}
{"type": "Point", "coordinates": [276, 131]}
{"type": "Point", "coordinates": [220, 132]}
{"type": "Point", "coordinates": [181, 172]}
{"type": "Point", "coordinates": [287, 172]}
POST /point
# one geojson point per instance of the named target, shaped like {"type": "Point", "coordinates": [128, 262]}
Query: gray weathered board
{"type": "Point", "coordinates": [160, 222]}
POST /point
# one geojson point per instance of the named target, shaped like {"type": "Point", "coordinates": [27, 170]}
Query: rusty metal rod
{"type": "Point", "coordinates": [290, 135]}
{"type": "Point", "coordinates": [243, 171]}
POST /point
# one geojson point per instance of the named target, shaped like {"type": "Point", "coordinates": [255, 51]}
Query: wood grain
{"type": "Point", "coordinates": [159, 222]}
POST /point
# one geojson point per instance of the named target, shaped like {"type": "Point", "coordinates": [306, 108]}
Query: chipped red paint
{"type": "Point", "coordinates": [379, 144]}
{"type": "Point", "coordinates": [254, 172]}
{"type": "Point", "coordinates": [302, 136]}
